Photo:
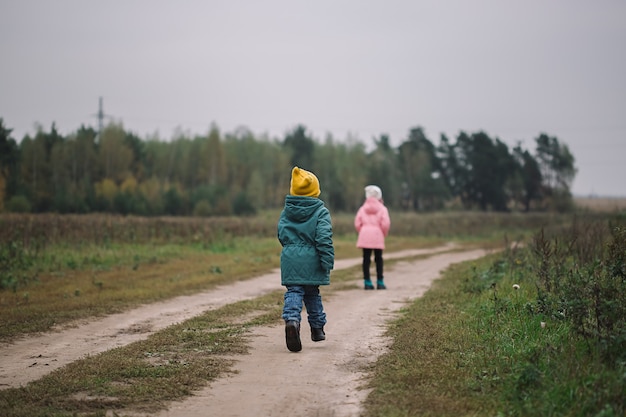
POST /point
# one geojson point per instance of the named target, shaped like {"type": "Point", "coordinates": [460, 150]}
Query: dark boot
{"type": "Point", "coordinates": [368, 284]}
{"type": "Point", "coordinates": [317, 335]}
{"type": "Point", "coordinates": [292, 336]}
{"type": "Point", "coordinates": [380, 284]}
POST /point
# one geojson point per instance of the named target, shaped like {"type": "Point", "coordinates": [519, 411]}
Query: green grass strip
{"type": "Point", "coordinates": [475, 345]}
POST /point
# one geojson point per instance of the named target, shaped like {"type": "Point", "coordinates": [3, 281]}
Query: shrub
{"type": "Point", "coordinates": [581, 277]}
{"type": "Point", "coordinates": [595, 299]}
{"type": "Point", "coordinates": [202, 209]}
{"type": "Point", "coordinates": [15, 262]}
{"type": "Point", "coordinates": [242, 206]}
{"type": "Point", "coordinates": [19, 204]}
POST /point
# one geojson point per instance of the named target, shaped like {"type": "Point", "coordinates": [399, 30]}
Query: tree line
{"type": "Point", "coordinates": [239, 173]}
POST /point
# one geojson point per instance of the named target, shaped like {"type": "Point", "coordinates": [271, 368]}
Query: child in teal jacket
{"type": "Point", "coordinates": [307, 256]}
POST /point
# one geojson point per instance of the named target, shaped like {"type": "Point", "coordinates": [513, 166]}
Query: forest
{"type": "Point", "coordinates": [240, 173]}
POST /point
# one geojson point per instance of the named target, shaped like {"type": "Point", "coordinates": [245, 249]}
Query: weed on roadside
{"type": "Point", "coordinates": [536, 331]}
{"type": "Point", "coordinates": [15, 265]}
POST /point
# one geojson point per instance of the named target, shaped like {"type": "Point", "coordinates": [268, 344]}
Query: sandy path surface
{"type": "Point", "coordinates": [30, 358]}
{"type": "Point", "coordinates": [324, 379]}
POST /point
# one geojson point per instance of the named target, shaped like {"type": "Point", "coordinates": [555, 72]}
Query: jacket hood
{"type": "Point", "coordinates": [372, 205]}
{"type": "Point", "coordinates": [299, 209]}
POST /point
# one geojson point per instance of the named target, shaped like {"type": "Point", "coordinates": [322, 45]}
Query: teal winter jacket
{"type": "Point", "coordinates": [305, 232]}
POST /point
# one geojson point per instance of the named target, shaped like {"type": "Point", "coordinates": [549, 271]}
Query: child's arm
{"type": "Point", "coordinates": [385, 222]}
{"type": "Point", "coordinates": [324, 241]}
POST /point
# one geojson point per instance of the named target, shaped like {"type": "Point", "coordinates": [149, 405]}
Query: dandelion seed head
{"type": "Point", "coordinates": [515, 287]}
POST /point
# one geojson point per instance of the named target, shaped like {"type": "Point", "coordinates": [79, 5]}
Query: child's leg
{"type": "Point", "coordinates": [293, 303]}
{"type": "Point", "coordinates": [378, 258]}
{"type": "Point", "coordinates": [367, 259]}
{"type": "Point", "coordinates": [315, 312]}
{"type": "Point", "coordinates": [291, 314]}
{"type": "Point", "coordinates": [314, 307]}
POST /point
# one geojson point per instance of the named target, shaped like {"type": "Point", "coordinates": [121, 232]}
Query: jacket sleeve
{"type": "Point", "coordinates": [385, 221]}
{"type": "Point", "coordinates": [358, 220]}
{"type": "Point", "coordinates": [324, 240]}
{"type": "Point", "coordinates": [279, 229]}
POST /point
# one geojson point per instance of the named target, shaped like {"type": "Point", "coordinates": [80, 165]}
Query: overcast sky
{"type": "Point", "coordinates": [354, 68]}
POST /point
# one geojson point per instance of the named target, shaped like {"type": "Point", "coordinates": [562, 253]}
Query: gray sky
{"type": "Point", "coordinates": [353, 68]}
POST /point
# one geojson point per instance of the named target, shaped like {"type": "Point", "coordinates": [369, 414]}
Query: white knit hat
{"type": "Point", "coordinates": [373, 191]}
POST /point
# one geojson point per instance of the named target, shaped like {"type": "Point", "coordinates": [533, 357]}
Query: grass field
{"type": "Point", "coordinates": [481, 346]}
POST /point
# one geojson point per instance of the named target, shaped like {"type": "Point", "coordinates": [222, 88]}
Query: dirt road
{"type": "Point", "coordinates": [322, 380]}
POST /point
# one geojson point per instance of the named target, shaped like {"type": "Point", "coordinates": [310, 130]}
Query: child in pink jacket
{"type": "Point", "coordinates": [372, 223]}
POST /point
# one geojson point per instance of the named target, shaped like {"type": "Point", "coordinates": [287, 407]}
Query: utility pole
{"type": "Point", "coordinates": [100, 116]}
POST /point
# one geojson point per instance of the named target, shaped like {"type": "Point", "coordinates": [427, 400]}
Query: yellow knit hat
{"type": "Point", "coordinates": [304, 183]}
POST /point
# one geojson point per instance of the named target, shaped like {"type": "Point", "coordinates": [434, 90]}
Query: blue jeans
{"type": "Point", "coordinates": [310, 295]}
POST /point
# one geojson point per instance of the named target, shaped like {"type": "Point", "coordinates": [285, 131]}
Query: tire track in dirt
{"type": "Point", "coordinates": [32, 357]}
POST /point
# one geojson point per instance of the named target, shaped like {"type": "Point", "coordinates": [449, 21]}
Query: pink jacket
{"type": "Point", "coordinates": [372, 223]}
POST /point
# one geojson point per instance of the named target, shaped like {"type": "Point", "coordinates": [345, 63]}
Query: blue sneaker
{"type": "Point", "coordinates": [368, 284]}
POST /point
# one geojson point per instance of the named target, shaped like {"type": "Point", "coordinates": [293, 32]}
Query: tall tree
{"type": "Point", "coordinates": [241, 154]}
{"type": "Point", "coordinates": [342, 170]}
{"type": "Point", "coordinates": [85, 170]}
{"type": "Point", "coordinates": [214, 159]}
{"type": "Point", "coordinates": [36, 169]}
{"type": "Point", "coordinates": [382, 170]}
{"type": "Point", "coordinates": [115, 156]}
{"type": "Point", "coordinates": [136, 145]}
{"type": "Point", "coordinates": [556, 162]}
{"type": "Point", "coordinates": [454, 169]}
{"type": "Point", "coordinates": [301, 148]}
{"type": "Point", "coordinates": [192, 162]}
{"type": "Point", "coordinates": [211, 174]}
{"type": "Point", "coordinates": [9, 160]}
{"type": "Point", "coordinates": [484, 167]}
{"type": "Point", "coordinates": [558, 170]}
{"type": "Point", "coordinates": [159, 158]}
{"type": "Point", "coordinates": [419, 165]}
{"type": "Point", "coordinates": [493, 168]}
{"type": "Point", "coordinates": [331, 182]}
{"type": "Point", "coordinates": [61, 163]}
{"type": "Point", "coordinates": [530, 175]}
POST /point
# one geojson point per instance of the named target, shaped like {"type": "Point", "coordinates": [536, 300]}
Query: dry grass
{"type": "Point", "coordinates": [64, 294]}
{"type": "Point", "coordinates": [99, 264]}
{"type": "Point", "coordinates": [601, 204]}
